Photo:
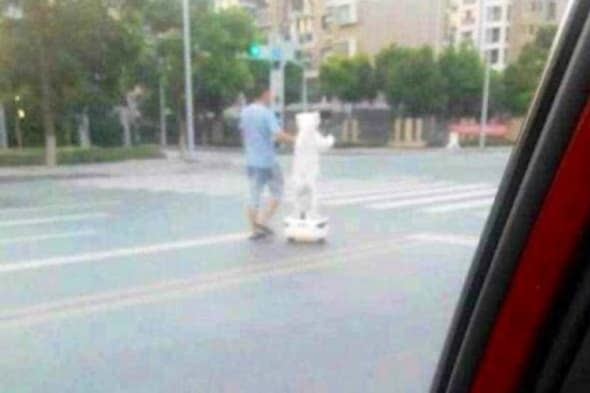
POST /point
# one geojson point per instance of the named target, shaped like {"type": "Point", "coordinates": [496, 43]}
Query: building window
{"type": "Point", "coordinates": [468, 18]}
{"type": "Point", "coordinates": [469, 1]}
{"type": "Point", "coordinates": [536, 6]}
{"type": "Point", "coordinates": [493, 35]}
{"type": "Point", "coordinates": [494, 56]}
{"type": "Point", "coordinates": [344, 14]}
{"type": "Point", "coordinates": [467, 36]}
{"type": "Point", "coordinates": [508, 34]}
{"type": "Point", "coordinates": [551, 11]}
{"type": "Point", "coordinates": [509, 12]}
{"type": "Point", "coordinates": [494, 14]}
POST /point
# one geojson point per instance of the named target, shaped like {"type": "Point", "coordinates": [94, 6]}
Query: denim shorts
{"type": "Point", "coordinates": [259, 178]}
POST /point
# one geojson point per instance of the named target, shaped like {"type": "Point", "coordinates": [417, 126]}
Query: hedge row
{"type": "Point", "coordinates": [73, 155]}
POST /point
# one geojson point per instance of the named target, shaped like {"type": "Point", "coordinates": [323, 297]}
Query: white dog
{"type": "Point", "coordinates": [306, 163]}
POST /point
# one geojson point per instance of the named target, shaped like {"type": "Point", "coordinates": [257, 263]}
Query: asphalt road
{"type": "Point", "coordinates": [143, 280]}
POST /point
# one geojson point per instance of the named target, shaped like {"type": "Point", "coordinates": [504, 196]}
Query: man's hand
{"type": "Point", "coordinates": [284, 137]}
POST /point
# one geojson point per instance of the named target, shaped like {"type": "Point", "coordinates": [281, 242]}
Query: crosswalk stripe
{"type": "Point", "coordinates": [385, 190]}
{"type": "Point", "coordinates": [454, 240]}
{"type": "Point", "coordinates": [431, 200]}
{"type": "Point", "coordinates": [452, 207]}
{"type": "Point", "coordinates": [425, 190]}
{"type": "Point", "coordinates": [36, 238]}
{"type": "Point", "coordinates": [52, 219]}
{"type": "Point", "coordinates": [364, 189]}
{"type": "Point", "coordinates": [359, 189]}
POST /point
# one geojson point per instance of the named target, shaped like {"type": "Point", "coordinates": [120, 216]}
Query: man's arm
{"type": "Point", "coordinates": [279, 134]}
{"type": "Point", "coordinates": [284, 137]}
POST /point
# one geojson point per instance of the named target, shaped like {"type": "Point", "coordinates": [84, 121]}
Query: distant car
{"type": "Point", "coordinates": [523, 321]}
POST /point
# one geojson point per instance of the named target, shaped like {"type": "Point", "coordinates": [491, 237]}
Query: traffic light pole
{"type": "Point", "coordinates": [486, 84]}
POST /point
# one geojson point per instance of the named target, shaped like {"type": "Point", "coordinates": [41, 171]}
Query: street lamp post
{"type": "Point", "coordinates": [304, 94]}
{"type": "Point", "coordinates": [163, 113]}
{"type": "Point", "coordinates": [190, 124]}
{"type": "Point", "coordinates": [486, 82]}
{"type": "Point", "coordinates": [485, 104]}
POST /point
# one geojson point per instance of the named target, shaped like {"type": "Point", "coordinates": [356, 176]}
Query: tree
{"type": "Point", "coordinates": [68, 52]}
{"type": "Point", "coordinates": [220, 71]}
{"type": "Point", "coordinates": [522, 77]}
{"type": "Point", "coordinates": [411, 80]}
{"type": "Point", "coordinates": [349, 79]}
{"type": "Point", "coordinates": [463, 74]}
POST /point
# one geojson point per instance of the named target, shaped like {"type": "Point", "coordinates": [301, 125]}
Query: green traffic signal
{"type": "Point", "coordinates": [254, 51]}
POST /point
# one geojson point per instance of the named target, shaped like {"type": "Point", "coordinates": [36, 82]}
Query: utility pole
{"type": "Point", "coordinates": [304, 94]}
{"type": "Point", "coordinates": [188, 79]}
{"type": "Point", "coordinates": [3, 129]}
{"type": "Point", "coordinates": [486, 83]}
{"type": "Point", "coordinates": [163, 113]}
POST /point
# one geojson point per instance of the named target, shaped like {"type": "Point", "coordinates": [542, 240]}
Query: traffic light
{"type": "Point", "coordinates": [254, 50]}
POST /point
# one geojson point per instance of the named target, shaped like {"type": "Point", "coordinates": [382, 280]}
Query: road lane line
{"type": "Point", "coordinates": [383, 192]}
{"type": "Point", "coordinates": [58, 206]}
{"type": "Point", "coordinates": [363, 190]}
{"type": "Point", "coordinates": [119, 253]}
{"type": "Point", "coordinates": [36, 238]}
{"type": "Point", "coordinates": [410, 202]}
{"type": "Point", "coordinates": [453, 207]}
{"type": "Point", "coordinates": [400, 194]}
{"type": "Point", "coordinates": [360, 191]}
{"type": "Point", "coordinates": [454, 240]}
{"type": "Point", "coordinates": [52, 219]}
{"type": "Point", "coordinates": [174, 289]}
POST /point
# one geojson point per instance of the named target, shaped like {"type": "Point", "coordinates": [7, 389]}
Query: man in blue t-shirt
{"type": "Point", "coordinates": [260, 130]}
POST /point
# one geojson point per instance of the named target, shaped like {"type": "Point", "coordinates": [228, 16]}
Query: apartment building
{"type": "Point", "coordinates": [367, 26]}
{"type": "Point", "coordinates": [486, 24]}
{"type": "Point", "coordinates": [528, 16]}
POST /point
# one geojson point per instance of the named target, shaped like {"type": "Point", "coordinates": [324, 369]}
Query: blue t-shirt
{"type": "Point", "coordinates": [259, 125]}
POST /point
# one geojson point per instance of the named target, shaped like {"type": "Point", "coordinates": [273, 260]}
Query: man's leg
{"type": "Point", "coordinates": [270, 211]}
{"type": "Point", "coordinates": [275, 185]}
{"type": "Point", "coordinates": [256, 184]}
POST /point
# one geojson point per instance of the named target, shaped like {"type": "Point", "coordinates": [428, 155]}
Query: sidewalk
{"type": "Point", "coordinates": [210, 159]}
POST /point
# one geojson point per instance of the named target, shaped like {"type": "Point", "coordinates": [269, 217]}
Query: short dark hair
{"type": "Point", "coordinates": [259, 88]}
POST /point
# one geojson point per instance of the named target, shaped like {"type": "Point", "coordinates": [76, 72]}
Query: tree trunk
{"type": "Point", "coordinates": [126, 124]}
{"type": "Point", "coordinates": [163, 122]}
{"type": "Point", "coordinates": [181, 132]}
{"type": "Point", "coordinates": [3, 129]}
{"type": "Point", "coordinates": [84, 130]}
{"type": "Point", "coordinates": [18, 132]}
{"type": "Point", "coordinates": [217, 136]}
{"type": "Point", "coordinates": [47, 110]}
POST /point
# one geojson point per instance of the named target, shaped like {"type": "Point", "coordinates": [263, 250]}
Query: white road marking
{"type": "Point", "coordinates": [455, 240]}
{"type": "Point", "coordinates": [174, 289]}
{"type": "Point", "coordinates": [432, 200]}
{"type": "Point", "coordinates": [426, 190]}
{"type": "Point", "coordinates": [52, 219]}
{"type": "Point", "coordinates": [36, 238]}
{"type": "Point", "coordinates": [118, 253]}
{"type": "Point", "coordinates": [452, 207]}
{"type": "Point", "coordinates": [58, 206]}
{"type": "Point", "coordinates": [364, 190]}
{"type": "Point", "coordinates": [358, 190]}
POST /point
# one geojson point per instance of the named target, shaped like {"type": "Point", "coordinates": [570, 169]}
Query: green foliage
{"type": "Point", "coordinates": [349, 79]}
{"type": "Point", "coordinates": [85, 48]}
{"type": "Point", "coordinates": [522, 77]}
{"type": "Point", "coordinates": [412, 80]}
{"type": "Point", "coordinates": [71, 156]}
{"type": "Point", "coordinates": [220, 73]}
{"type": "Point", "coordinates": [463, 73]}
